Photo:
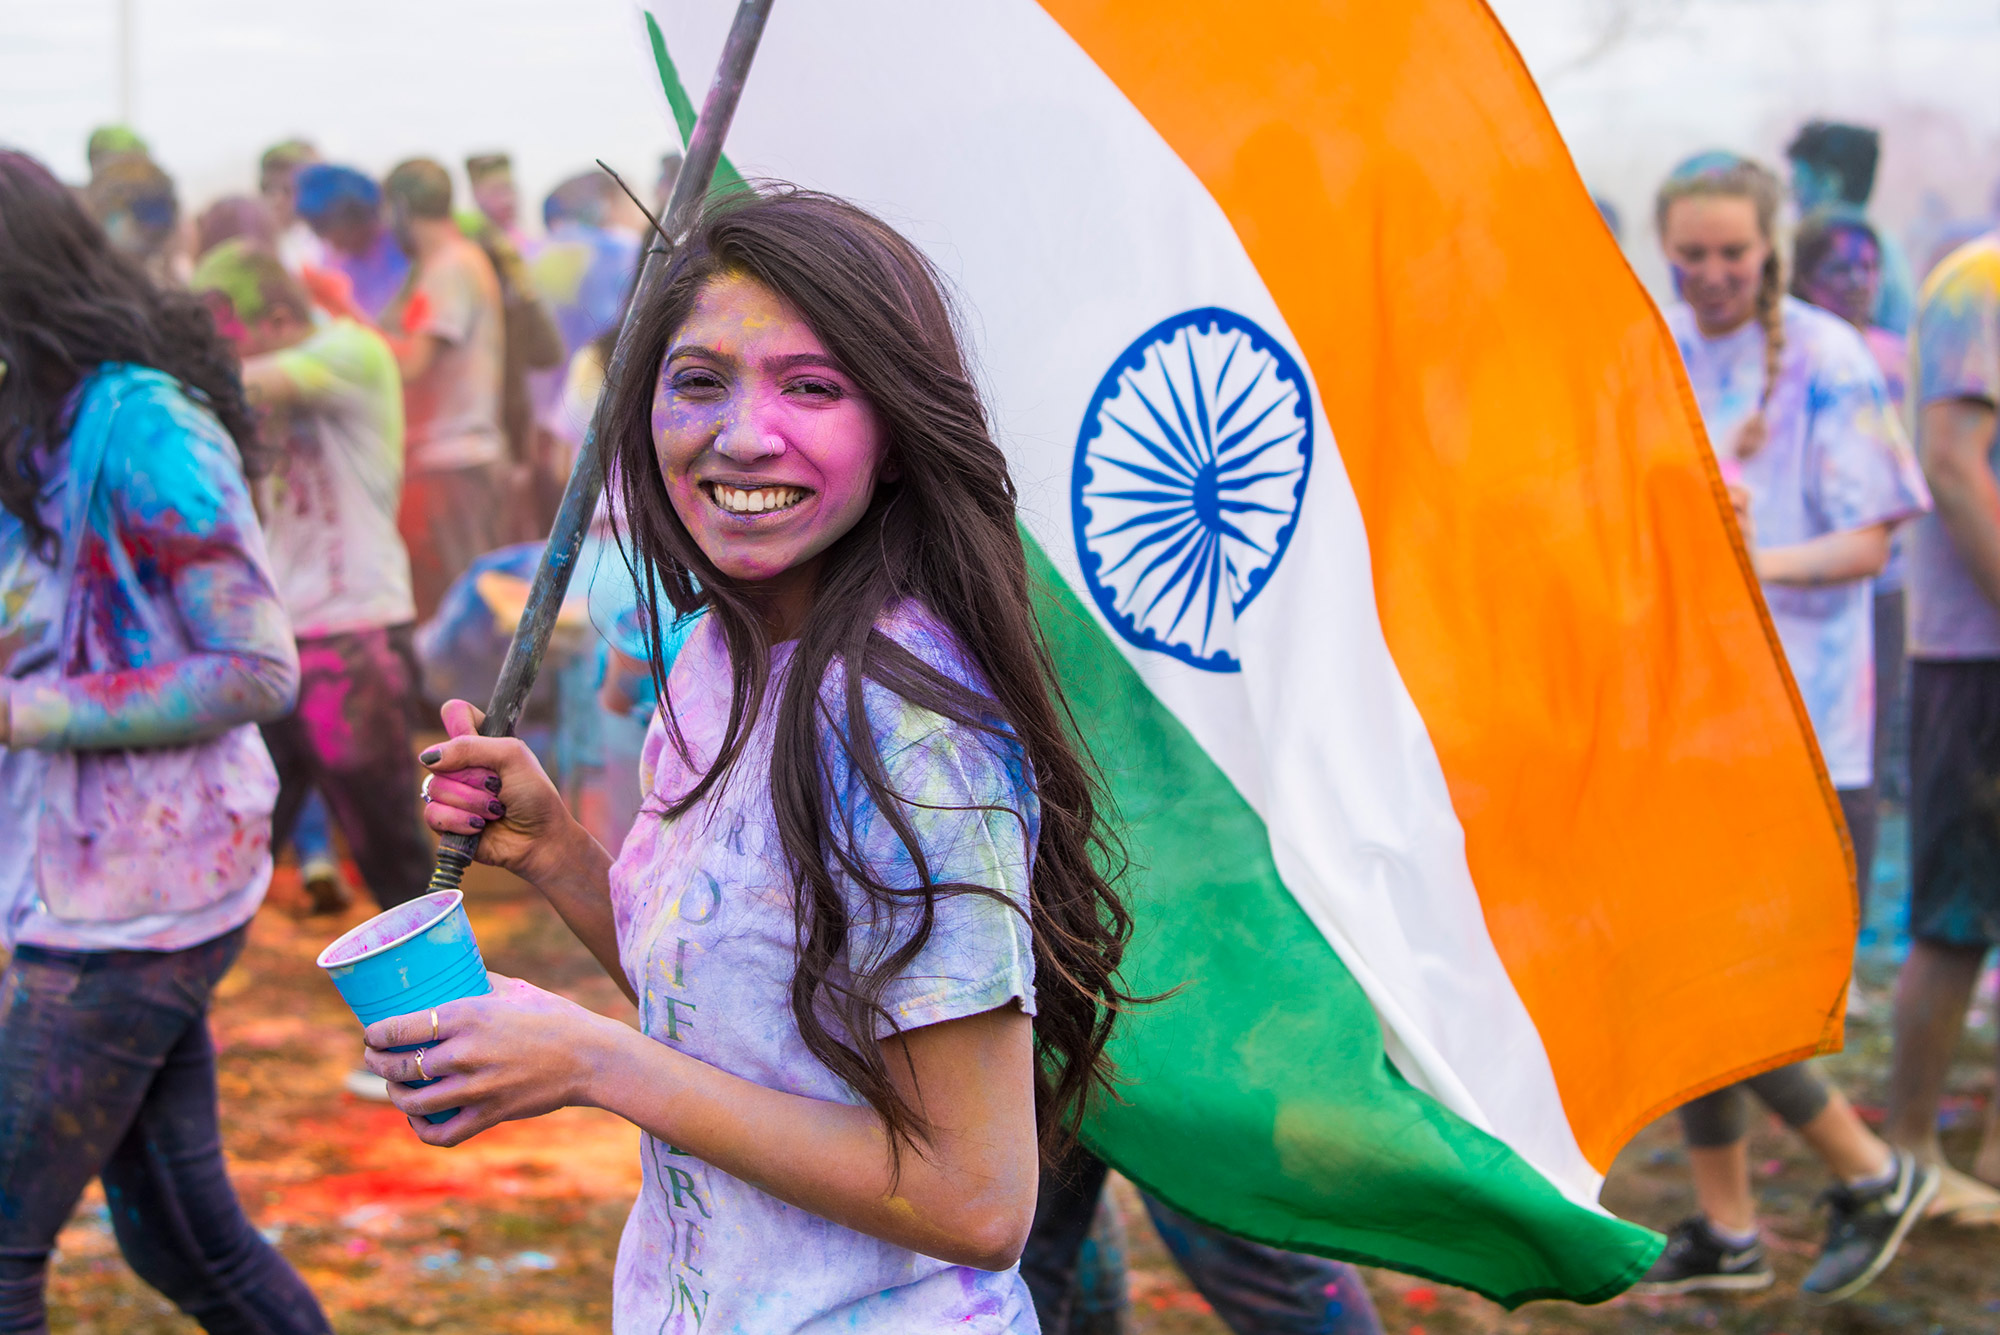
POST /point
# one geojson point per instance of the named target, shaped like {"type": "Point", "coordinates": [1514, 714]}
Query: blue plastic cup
{"type": "Point", "coordinates": [410, 958]}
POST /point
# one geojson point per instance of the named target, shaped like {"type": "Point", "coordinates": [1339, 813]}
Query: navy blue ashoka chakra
{"type": "Point", "coordinates": [1190, 469]}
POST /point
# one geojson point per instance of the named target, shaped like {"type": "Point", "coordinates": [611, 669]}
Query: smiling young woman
{"type": "Point", "coordinates": [862, 911]}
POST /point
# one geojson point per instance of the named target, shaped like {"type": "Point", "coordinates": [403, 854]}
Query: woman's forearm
{"type": "Point", "coordinates": [953, 1198]}
{"type": "Point", "coordinates": [167, 704]}
{"type": "Point", "coordinates": [1831, 558]}
{"type": "Point", "coordinates": [241, 663]}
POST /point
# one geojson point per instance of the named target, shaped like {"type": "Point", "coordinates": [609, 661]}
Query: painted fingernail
{"type": "Point", "coordinates": [496, 808]}
{"type": "Point", "coordinates": [478, 822]}
{"type": "Point", "coordinates": [431, 757]}
{"type": "Point", "coordinates": [493, 783]}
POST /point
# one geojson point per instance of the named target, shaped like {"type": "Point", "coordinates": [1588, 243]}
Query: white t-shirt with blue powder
{"type": "Point", "coordinates": [704, 914]}
{"type": "Point", "coordinates": [1835, 459]}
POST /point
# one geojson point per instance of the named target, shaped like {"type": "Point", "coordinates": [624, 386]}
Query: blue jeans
{"type": "Point", "coordinates": [1255, 1289]}
{"type": "Point", "coordinates": [107, 1070]}
{"type": "Point", "coordinates": [312, 837]}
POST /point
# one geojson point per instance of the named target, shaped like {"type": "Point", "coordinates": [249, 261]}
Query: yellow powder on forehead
{"type": "Point", "coordinates": [760, 321]}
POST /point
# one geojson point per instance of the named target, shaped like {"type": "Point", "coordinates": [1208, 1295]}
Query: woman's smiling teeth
{"type": "Point", "coordinates": [755, 500]}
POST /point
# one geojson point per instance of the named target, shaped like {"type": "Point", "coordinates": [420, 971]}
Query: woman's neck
{"type": "Point", "coordinates": [1723, 328]}
{"type": "Point", "coordinates": [785, 600]}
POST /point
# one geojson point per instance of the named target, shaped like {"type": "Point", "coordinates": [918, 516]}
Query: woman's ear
{"type": "Point", "coordinates": [892, 469]}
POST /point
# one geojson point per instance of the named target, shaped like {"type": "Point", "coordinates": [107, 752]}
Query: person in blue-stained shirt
{"type": "Point", "coordinates": [142, 640]}
{"type": "Point", "coordinates": [1820, 474]}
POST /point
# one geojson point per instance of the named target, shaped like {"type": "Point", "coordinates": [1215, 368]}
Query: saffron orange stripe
{"type": "Point", "coordinates": [1647, 820]}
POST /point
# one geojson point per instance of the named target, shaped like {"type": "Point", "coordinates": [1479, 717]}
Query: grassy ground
{"type": "Point", "coordinates": [516, 1231]}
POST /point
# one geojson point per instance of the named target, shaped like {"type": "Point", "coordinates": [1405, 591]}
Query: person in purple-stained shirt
{"type": "Point", "coordinates": [864, 865]}
{"type": "Point", "coordinates": [1954, 587]}
{"type": "Point", "coordinates": [141, 642]}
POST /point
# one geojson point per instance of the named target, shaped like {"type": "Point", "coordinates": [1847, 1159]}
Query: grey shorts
{"type": "Point", "coordinates": [1955, 802]}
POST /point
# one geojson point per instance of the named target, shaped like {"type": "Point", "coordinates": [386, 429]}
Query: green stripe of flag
{"type": "Point", "coordinates": [1259, 1097]}
{"type": "Point", "coordinates": [726, 174]}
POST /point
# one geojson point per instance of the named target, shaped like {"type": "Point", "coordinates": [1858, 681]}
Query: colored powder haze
{"type": "Point", "coordinates": [1635, 85]}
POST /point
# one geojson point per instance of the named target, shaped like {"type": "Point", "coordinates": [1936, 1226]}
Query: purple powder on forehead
{"type": "Point", "coordinates": [388, 927]}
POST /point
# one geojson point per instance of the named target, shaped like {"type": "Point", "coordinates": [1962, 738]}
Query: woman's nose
{"type": "Point", "coordinates": [744, 438]}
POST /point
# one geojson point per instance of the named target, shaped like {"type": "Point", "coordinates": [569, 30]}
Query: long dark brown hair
{"type": "Point", "coordinates": [70, 302]}
{"type": "Point", "coordinates": [943, 535]}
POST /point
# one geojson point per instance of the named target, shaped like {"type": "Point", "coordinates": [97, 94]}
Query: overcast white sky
{"type": "Point", "coordinates": [1635, 84]}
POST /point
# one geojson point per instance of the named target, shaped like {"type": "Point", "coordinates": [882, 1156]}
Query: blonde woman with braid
{"type": "Point", "coordinates": [1821, 474]}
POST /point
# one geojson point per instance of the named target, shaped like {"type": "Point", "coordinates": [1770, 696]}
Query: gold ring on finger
{"type": "Point", "coordinates": [434, 1024]}
{"type": "Point", "coordinates": [420, 1065]}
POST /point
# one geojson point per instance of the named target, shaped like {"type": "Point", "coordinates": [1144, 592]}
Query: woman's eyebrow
{"type": "Point", "coordinates": [694, 350]}
{"type": "Point", "coordinates": [792, 360]}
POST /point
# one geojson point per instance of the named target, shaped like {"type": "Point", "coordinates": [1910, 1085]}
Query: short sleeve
{"type": "Point", "coordinates": [173, 527]}
{"type": "Point", "coordinates": [173, 474]}
{"type": "Point", "coordinates": [451, 290]}
{"type": "Point", "coordinates": [175, 482]}
{"type": "Point", "coordinates": [1864, 470]}
{"type": "Point", "coordinates": [1958, 332]}
{"type": "Point", "coordinates": [967, 799]}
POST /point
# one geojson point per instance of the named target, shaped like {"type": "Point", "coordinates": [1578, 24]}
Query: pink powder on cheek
{"type": "Point", "coordinates": [844, 447]}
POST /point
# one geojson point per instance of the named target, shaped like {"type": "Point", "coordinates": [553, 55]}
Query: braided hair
{"type": "Point", "coordinates": [1728, 176]}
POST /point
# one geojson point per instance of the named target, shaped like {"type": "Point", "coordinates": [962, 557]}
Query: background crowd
{"type": "Point", "coordinates": [427, 366]}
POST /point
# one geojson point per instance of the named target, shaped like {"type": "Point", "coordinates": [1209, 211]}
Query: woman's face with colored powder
{"type": "Point", "coordinates": [768, 451]}
{"type": "Point", "coordinates": [1718, 257]}
{"type": "Point", "coordinates": [1847, 277]}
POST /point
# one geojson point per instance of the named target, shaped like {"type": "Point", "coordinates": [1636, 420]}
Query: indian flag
{"type": "Point", "coordinates": [1473, 813]}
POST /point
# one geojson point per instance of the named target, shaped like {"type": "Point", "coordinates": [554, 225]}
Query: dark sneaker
{"type": "Point", "coordinates": [1696, 1261]}
{"type": "Point", "coordinates": [1867, 1227]}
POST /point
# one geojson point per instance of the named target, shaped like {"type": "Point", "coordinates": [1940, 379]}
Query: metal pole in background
{"type": "Point", "coordinates": [125, 99]}
{"type": "Point", "coordinates": [586, 479]}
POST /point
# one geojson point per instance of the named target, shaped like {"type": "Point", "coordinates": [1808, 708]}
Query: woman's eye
{"type": "Point", "coordinates": [818, 389]}
{"type": "Point", "coordinates": [697, 382]}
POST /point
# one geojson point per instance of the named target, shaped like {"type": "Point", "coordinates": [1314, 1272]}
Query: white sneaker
{"type": "Point", "coordinates": [1964, 1200]}
{"type": "Point", "coordinates": [367, 1085]}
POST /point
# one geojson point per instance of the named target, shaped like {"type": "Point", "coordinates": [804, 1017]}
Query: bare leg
{"type": "Point", "coordinates": [1844, 1142]}
{"type": "Point", "coordinates": [1932, 993]}
{"type": "Point", "coordinates": [1987, 1166]}
{"type": "Point", "coordinates": [1722, 1185]}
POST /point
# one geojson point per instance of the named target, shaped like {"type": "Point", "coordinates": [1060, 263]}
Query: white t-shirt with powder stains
{"type": "Point", "coordinates": [331, 500]}
{"type": "Point", "coordinates": [705, 928]}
